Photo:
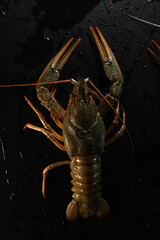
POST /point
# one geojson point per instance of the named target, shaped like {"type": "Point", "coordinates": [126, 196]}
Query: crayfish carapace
{"type": "Point", "coordinates": [83, 129]}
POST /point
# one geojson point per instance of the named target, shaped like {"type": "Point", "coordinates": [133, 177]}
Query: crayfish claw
{"type": "Point", "coordinates": [66, 56]}
{"type": "Point", "coordinates": [111, 69]}
{"type": "Point", "coordinates": [109, 61]}
{"type": "Point", "coordinates": [52, 70]}
{"type": "Point", "coordinates": [51, 73]}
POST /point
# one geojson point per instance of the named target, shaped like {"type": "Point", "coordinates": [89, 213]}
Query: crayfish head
{"type": "Point", "coordinates": [82, 110]}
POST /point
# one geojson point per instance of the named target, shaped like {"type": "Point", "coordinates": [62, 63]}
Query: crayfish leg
{"type": "Point", "coordinates": [48, 168]}
{"type": "Point", "coordinates": [117, 134]}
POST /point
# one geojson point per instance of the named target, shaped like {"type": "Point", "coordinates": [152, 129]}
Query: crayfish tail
{"type": "Point", "coordinates": [99, 208]}
{"type": "Point", "coordinates": [103, 208]}
{"type": "Point", "coordinates": [72, 212]}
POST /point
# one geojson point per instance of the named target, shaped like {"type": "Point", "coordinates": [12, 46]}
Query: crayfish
{"type": "Point", "coordinates": [83, 129]}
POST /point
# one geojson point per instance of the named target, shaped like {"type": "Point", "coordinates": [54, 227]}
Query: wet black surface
{"type": "Point", "coordinates": [31, 33]}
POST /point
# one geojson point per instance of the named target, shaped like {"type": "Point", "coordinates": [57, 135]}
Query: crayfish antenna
{"type": "Point", "coordinates": [34, 84]}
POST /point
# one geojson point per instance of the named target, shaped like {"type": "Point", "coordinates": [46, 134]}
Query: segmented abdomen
{"type": "Point", "coordinates": [86, 177]}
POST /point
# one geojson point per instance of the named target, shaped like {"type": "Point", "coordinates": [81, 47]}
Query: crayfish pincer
{"type": "Point", "coordinates": [83, 129]}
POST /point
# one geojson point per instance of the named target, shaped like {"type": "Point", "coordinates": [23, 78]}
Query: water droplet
{"type": "Point", "coordinates": [67, 16]}
{"type": "Point", "coordinates": [9, 27]}
{"type": "Point", "coordinates": [43, 210]}
{"type": "Point", "coordinates": [21, 155]}
{"type": "Point", "coordinates": [47, 38]}
{"type": "Point", "coordinates": [12, 196]}
{"type": "Point", "coordinates": [80, 54]}
{"type": "Point", "coordinates": [7, 181]}
{"type": "Point", "coordinates": [4, 13]}
{"type": "Point", "coordinates": [6, 172]}
{"type": "Point", "coordinates": [145, 67]}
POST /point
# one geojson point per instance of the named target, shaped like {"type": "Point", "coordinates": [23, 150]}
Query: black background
{"type": "Point", "coordinates": [31, 32]}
